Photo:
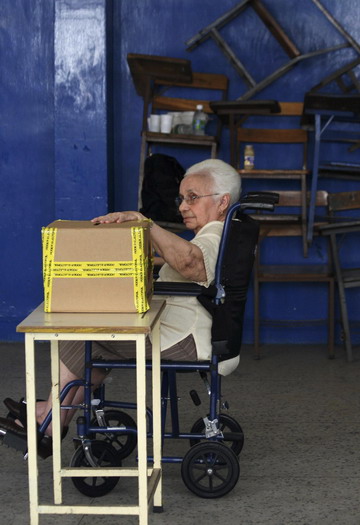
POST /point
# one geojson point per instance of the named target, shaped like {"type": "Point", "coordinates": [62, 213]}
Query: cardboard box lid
{"type": "Point", "coordinates": [98, 241]}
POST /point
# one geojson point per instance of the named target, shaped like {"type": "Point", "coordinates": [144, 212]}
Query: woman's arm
{"type": "Point", "coordinates": [183, 256]}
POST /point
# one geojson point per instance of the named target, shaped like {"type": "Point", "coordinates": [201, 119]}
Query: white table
{"type": "Point", "coordinates": [55, 327]}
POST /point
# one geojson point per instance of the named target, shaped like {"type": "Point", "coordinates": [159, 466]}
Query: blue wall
{"type": "Point", "coordinates": [57, 156]}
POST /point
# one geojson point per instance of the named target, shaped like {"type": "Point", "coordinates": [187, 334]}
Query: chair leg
{"type": "Point", "coordinates": [213, 151]}
{"type": "Point", "coordinates": [342, 298]}
{"type": "Point", "coordinates": [303, 215]}
{"type": "Point", "coordinates": [256, 318]}
{"type": "Point", "coordinates": [331, 319]}
{"type": "Point", "coordinates": [345, 322]}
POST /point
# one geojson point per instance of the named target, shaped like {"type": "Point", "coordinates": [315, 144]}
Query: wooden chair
{"type": "Point", "coordinates": [206, 82]}
{"type": "Point", "coordinates": [290, 225]}
{"type": "Point", "coordinates": [280, 139]}
{"type": "Point", "coordinates": [346, 277]}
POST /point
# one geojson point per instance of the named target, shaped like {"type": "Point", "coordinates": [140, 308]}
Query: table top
{"type": "Point", "coordinates": [120, 323]}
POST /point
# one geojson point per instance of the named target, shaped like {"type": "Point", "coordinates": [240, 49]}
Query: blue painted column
{"type": "Point", "coordinates": [81, 138]}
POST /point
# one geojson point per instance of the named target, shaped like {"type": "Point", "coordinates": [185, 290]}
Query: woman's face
{"type": "Point", "coordinates": [199, 211]}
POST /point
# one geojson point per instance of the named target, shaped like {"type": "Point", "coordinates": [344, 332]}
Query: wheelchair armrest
{"type": "Point", "coordinates": [261, 197]}
{"type": "Point", "coordinates": [170, 288]}
{"type": "Point", "coordinates": [259, 200]}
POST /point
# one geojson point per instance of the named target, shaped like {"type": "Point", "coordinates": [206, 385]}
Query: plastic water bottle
{"type": "Point", "coordinates": [199, 121]}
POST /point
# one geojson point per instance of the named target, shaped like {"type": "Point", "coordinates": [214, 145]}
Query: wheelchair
{"type": "Point", "coordinates": [107, 433]}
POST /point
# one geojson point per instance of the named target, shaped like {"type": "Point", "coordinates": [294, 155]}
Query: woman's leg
{"type": "Point", "coordinates": [75, 396]}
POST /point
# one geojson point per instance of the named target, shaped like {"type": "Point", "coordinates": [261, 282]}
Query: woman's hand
{"type": "Point", "coordinates": [119, 216]}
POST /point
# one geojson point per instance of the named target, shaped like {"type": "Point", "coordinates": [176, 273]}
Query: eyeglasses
{"type": "Point", "coordinates": [191, 198]}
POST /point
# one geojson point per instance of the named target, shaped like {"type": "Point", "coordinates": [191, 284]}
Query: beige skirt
{"type": "Point", "coordinates": [72, 353]}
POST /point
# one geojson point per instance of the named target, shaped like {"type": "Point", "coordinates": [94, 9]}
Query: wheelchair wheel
{"type": "Point", "coordinates": [210, 470]}
{"type": "Point", "coordinates": [227, 424]}
{"type": "Point", "coordinates": [123, 443]}
{"type": "Point", "coordinates": [105, 456]}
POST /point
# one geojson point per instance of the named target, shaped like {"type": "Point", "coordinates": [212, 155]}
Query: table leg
{"type": "Point", "coordinates": [56, 427]}
{"type": "Point", "coordinates": [156, 396]}
{"type": "Point", "coordinates": [141, 426]}
{"type": "Point", "coordinates": [31, 428]}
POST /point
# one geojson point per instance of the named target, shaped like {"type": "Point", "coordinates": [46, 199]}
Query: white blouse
{"type": "Point", "coordinates": [185, 315]}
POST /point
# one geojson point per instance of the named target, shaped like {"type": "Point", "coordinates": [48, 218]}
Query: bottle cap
{"type": "Point", "coordinates": [199, 107]}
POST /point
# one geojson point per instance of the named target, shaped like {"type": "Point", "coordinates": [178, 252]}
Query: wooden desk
{"type": "Point", "coordinates": [55, 327]}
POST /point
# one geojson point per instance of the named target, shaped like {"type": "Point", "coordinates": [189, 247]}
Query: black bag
{"type": "Point", "coordinates": [162, 177]}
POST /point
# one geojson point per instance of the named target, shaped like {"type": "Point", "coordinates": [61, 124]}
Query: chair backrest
{"type": "Point", "coordinates": [287, 219]}
{"type": "Point", "coordinates": [344, 201]}
{"type": "Point", "coordinates": [182, 93]}
{"type": "Point", "coordinates": [203, 81]}
{"type": "Point", "coordinates": [292, 134]}
{"type": "Point", "coordinates": [272, 136]}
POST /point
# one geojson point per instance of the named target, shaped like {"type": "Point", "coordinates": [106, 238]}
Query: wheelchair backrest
{"type": "Point", "coordinates": [233, 273]}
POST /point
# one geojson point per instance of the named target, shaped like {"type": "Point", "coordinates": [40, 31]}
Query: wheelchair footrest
{"type": "Point", "coordinates": [14, 441]}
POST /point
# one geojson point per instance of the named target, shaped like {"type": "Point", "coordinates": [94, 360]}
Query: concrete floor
{"type": "Point", "coordinates": [300, 413]}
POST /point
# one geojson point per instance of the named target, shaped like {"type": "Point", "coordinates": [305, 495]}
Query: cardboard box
{"type": "Point", "coordinates": [97, 268]}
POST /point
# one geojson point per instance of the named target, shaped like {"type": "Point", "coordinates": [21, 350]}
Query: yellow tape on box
{"type": "Point", "coordinates": [138, 268]}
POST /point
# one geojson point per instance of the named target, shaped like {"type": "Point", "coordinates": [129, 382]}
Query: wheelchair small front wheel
{"type": "Point", "coordinates": [103, 455]}
{"type": "Point", "coordinates": [210, 469]}
{"type": "Point", "coordinates": [228, 426]}
{"type": "Point", "coordinates": [124, 443]}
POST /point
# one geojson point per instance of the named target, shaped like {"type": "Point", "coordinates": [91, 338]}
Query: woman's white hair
{"type": "Point", "coordinates": [225, 178]}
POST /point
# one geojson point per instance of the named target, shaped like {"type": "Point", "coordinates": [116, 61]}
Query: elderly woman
{"type": "Point", "coordinates": [206, 192]}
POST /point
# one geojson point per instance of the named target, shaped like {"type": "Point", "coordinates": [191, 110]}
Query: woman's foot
{"type": "Point", "coordinates": [15, 436]}
{"type": "Point", "coordinates": [17, 411]}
